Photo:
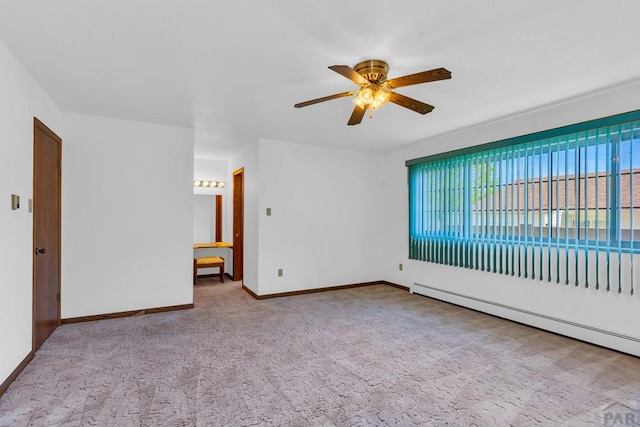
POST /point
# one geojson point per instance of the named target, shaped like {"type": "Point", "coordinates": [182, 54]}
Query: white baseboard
{"type": "Point", "coordinates": [591, 334]}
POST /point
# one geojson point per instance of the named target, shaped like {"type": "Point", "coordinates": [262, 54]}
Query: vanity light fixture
{"type": "Point", "coordinates": [210, 184]}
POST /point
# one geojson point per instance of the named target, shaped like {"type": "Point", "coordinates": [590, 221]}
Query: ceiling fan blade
{"type": "Point", "coordinates": [417, 78]}
{"type": "Point", "coordinates": [325, 98]}
{"type": "Point", "coordinates": [356, 116]}
{"type": "Point", "coordinates": [350, 73]}
{"type": "Point", "coordinates": [410, 103]}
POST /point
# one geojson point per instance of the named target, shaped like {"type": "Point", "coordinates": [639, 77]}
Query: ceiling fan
{"type": "Point", "coordinates": [375, 90]}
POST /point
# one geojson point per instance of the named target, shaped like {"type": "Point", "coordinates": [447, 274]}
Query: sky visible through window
{"type": "Point", "coordinates": [591, 156]}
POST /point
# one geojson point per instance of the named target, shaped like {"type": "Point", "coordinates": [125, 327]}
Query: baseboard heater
{"type": "Point", "coordinates": [429, 291]}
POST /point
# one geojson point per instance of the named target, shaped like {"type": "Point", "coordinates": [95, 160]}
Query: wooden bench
{"type": "Point", "coordinates": [208, 262]}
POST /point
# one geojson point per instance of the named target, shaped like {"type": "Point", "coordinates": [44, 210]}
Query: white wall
{"type": "Point", "coordinates": [127, 216]}
{"type": "Point", "coordinates": [611, 312]}
{"type": "Point", "coordinates": [21, 98]}
{"type": "Point", "coordinates": [325, 228]}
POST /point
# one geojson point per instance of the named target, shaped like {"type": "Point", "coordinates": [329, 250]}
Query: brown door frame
{"type": "Point", "coordinates": [238, 225]}
{"type": "Point", "coordinates": [218, 207]}
{"type": "Point", "coordinates": [40, 126]}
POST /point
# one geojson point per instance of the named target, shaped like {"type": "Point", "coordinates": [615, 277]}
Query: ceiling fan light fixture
{"type": "Point", "coordinates": [372, 97]}
{"type": "Point", "coordinates": [365, 95]}
{"type": "Point", "coordinates": [359, 103]}
{"type": "Point", "coordinates": [380, 98]}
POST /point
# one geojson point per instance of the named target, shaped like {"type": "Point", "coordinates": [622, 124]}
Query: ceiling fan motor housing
{"type": "Point", "coordinates": [373, 70]}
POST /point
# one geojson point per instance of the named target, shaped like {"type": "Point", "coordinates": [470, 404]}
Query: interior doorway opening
{"type": "Point", "coordinates": [238, 224]}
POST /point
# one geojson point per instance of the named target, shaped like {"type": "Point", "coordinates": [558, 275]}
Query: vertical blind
{"type": "Point", "coordinates": [561, 205]}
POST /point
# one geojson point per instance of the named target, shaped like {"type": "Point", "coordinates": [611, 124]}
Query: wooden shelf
{"type": "Point", "coordinates": [212, 245]}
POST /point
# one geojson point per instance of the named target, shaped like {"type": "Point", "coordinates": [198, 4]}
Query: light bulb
{"type": "Point", "coordinates": [205, 183]}
{"type": "Point", "coordinates": [379, 99]}
{"type": "Point", "coordinates": [197, 183]}
{"type": "Point", "coordinates": [220, 184]}
{"type": "Point", "coordinates": [365, 95]}
{"type": "Point", "coordinates": [359, 103]}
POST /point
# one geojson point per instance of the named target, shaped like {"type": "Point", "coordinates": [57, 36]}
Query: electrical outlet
{"type": "Point", "coordinates": [400, 266]}
{"type": "Point", "coordinates": [15, 202]}
{"type": "Point", "coordinates": [279, 272]}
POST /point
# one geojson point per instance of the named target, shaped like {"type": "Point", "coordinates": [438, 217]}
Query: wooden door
{"type": "Point", "coordinates": [238, 224]}
{"type": "Point", "coordinates": [47, 152]}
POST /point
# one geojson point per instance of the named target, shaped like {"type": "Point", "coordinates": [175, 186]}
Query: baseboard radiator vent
{"type": "Point", "coordinates": [515, 314]}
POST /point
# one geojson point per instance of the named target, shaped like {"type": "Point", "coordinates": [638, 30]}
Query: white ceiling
{"type": "Point", "coordinates": [233, 70]}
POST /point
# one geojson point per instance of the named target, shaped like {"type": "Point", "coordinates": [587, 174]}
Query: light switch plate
{"type": "Point", "coordinates": [15, 202]}
{"type": "Point", "coordinates": [30, 205]}
{"type": "Point", "coordinates": [268, 211]}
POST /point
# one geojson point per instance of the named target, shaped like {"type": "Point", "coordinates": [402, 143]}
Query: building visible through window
{"type": "Point", "coordinates": [568, 197]}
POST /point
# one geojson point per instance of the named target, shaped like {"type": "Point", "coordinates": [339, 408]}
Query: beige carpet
{"type": "Point", "coordinates": [366, 356]}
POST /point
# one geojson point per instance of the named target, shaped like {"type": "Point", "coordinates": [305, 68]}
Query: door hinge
{"type": "Point", "coordinates": [59, 164]}
{"type": "Point", "coordinates": [58, 297]}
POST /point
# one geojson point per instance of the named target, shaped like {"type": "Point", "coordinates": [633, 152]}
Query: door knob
{"type": "Point", "coordinates": [40, 251]}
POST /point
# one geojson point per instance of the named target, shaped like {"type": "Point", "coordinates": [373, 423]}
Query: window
{"type": "Point", "coordinates": [561, 205]}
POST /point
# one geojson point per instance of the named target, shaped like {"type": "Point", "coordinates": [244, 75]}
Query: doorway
{"type": "Point", "coordinates": [47, 156]}
{"type": "Point", "coordinates": [238, 224]}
